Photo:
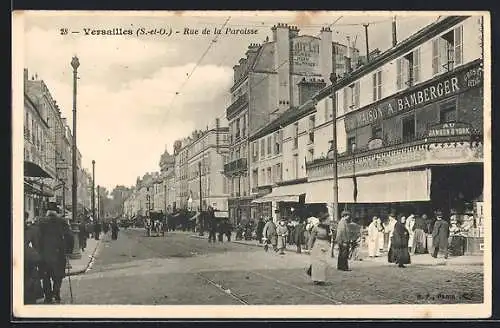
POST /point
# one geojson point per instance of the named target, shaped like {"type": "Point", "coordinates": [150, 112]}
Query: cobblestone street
{"type": "Point", "coordinates": [179, 269]}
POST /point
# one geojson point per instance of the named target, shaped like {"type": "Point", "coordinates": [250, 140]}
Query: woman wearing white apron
{"type": "Point", "coordinates": [373, 238]}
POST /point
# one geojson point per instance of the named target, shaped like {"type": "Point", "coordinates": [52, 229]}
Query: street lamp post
{"type": "Point", "coordinates": [333, 153]}
{"type": "Point", "coordinates": [93, 190]}
{"type": "Point", "coordinates": [74, 225]}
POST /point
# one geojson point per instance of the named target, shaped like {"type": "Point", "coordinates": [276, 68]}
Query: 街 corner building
{"type": "Point", "coordinates": [409, 127]}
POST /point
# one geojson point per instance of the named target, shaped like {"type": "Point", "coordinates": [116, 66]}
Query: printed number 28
{"type": "Point", "coordinates": [64, 31]}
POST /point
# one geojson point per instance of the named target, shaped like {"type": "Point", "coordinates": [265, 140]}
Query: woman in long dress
{"type": "Point", "coordinates": [320, 252]}
{"type": "Point", "coordinates": [399, 244]}
{"type": "Point", "coordinates": [410, 223]}
{"type": "Point", "coordinates": [282, 232]}
{"type": "Point", "coordinates": [373, 238]}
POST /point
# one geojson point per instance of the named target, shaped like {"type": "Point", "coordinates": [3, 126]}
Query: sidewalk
{"type": "Point", "coordinates": [79, 266]}
{"type": "Point", "coordinates": [420, 259]}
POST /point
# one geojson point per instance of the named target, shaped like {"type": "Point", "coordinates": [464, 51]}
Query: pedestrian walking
{"type": "Point", "coordinates": [260, 228]}
{"type": "Point", "coordinates": [398, 253]}
{"type": "Point", "coordinates": [390, 227]}
{"type": "Point", "coordinates": [32, 281]}
{"type": "Point", "coordinates": [419, 237]}
{"type": "Point", "coordinates": [298, 236]}
{"type": "Point", "coordinates": [373, 238]}
{"type": "Point", "coordinates": [56, 241]}
{"type": "Point", "coordinates": [212, 225]}
{"type": "Point", "coordinates": [342, 239]}
{"type": "Point", "coordinates": [381, 235]}
{"type": "Point", "coordinates": [220, 231]}
{"type": "Point", "coordinates": [97, 230]}
{"type": "Point", "coordinates": [114, 230]}
{"type": "Point", "coordinates": [410, 223]}
{"type": "Point", "coordinates": [320, 251]}
{"type": "Point", "coordinates": [282, 233]}
{"type": "Point", "coordinates": [82, 235]}
{"type": "Point", "coordinates": [440, 235]}
{"type": "Point", "coordinates": [227, 229]}
{"type": "Point", "coordinates": [105, 228]}
{"type": "Point", "coordinates": [270, 235]}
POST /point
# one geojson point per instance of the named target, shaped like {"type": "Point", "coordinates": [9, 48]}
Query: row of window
{"type": "Point", "coordinates": [447, 53]}
{"type": "Point", "coordinates": [267, 176]}
{"type": "Point", "coordinates": [269, 146]}
{"type": "Point", "coordinates": [238, 129]}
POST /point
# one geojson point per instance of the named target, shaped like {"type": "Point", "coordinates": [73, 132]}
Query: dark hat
{"type": "Point", "coordinates": [393, 212]}
{"type": "Point", "coordinates": [345, 213]}
{"type": "Point", "coordinates": [439, 213]}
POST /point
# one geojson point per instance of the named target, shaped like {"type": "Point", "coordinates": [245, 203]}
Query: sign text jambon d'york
{"type": "Point", "coordinates": [429, 92]}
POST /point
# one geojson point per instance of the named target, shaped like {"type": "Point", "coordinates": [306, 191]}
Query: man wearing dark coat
{"type": "Point", "coordinates": [343, 240]}
{"type": "Point", "coordinates": [114, 230]}
{"type": "Point", "coordinates": [32, 285]}
{"type": "Point", "coordinates": [97, 230]}
{"type": "Point", "coordinates": [55, 241]}
{"type": "Point", "coordinates": [82, 235]}
{"type": "Point", "coordinates": [212, 225]}
{"type": "Point", "coordinates": [440, 235]}
{"type": "Point", "coordinates": [298, 236]}
{"type": "Point", "coordinates": [260, 228]}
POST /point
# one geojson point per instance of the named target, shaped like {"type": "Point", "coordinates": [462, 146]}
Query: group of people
{"type": "Point", "coordinates": [217, 227]}
{"type": "Point", "coordinates": [406, 236]}
{"type": "Point", "coordinates": [47, 241]}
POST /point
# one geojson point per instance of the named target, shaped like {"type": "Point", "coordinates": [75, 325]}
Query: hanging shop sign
{"type": "Point", "coordinates": [449, 129]}
{"type": "Point", "coordinates": [459, 80]}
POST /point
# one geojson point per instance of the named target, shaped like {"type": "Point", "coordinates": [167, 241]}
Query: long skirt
{"type": "Point", "coordinates": [82, 240]}
{"type": "Point", "coordinates": [114, 235]}
{"type": "Point", "coordinates": [419, 242]}
{"type": "Point", "coordinates": [399, 255]}
{"type": "Point", "coordinates": [281, 242]}
{"type": "Point", "coordinates": [373, 246]}
{"type": "Point", "coordinates": [320, 255]}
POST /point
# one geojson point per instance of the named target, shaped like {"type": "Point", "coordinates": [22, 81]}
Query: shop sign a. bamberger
{"type": "Point", "coordinates": [438, 89]}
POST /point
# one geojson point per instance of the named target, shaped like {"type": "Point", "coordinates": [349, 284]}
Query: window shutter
{"type": "Point", "coordinates": [399, 83]}
{"type": "Point", "coordinates": [379, 75]}
{"type": "Point", "coordinates": [356, 94]}
{"type": "Point", "coordinates": [435, 56]}
{"type": "Point", "coordinates": [416, 65]}
{"type": "Point", "coordinates": [374, 82]}
{"type": "Point", "coordinates": [346, 103]}
{"type": "Point", "coordinates": [458, 38]}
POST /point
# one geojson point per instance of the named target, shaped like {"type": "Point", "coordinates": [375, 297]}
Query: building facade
{"type": "Point", "coordinates": [207, 154]}
{"type": "Point", "coordinates": [48, 143]}
{"type": "Point", "coordinates": [267, 82]}
{"type": "Point", "coordinates": [409, 130]}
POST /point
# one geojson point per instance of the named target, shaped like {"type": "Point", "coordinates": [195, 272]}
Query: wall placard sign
{"type": "Point", "coordinates": [449, 129]}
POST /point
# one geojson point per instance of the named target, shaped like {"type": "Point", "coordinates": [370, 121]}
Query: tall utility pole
{"type": "Point", "coordinates": [201, 196]}
{"type": "Point", "coordinates": [333, 79]}
{"type": "Point", "coordinates": [75, 64]}
{"type": "Point", "coordinates": [98, 203]}
{"type": "Point", "coordinates": [93, 190]}
{"type": "Point", "coordinates": [367, 44]}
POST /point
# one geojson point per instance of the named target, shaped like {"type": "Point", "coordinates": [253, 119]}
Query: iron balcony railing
{"type": "Point", "coordinates": [236, 166]}
{"type": "Point", "coordinates": [236, 106]}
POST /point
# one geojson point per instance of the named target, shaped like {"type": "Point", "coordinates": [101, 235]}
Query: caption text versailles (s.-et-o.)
{"type": "Point", "coordinates": [158, 31]}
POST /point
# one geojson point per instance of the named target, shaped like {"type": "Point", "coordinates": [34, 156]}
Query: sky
{"type": "Point", "coordinates": [138, 94]}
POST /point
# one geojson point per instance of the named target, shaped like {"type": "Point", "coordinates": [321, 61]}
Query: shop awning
{"type": "Point", "coordinates": [290, 193]}
{"type": "Point", "coordinates": [31, 189]}
{"type": "Point", "coordinates": [34, 170]}
{"type": "Point", "coordinates": [322, 191]}
{"type": "Point", "coordinates": [406, 186]}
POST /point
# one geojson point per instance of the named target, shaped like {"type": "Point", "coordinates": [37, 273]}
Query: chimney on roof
{"type": "Point", "coordinates": [394, 35]}
{"type": "Point", "coordinates": [294, 31]}
{"type": "Point", "coordinates": [308, 87]}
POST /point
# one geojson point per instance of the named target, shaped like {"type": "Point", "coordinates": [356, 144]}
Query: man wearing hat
{"type": "Point", "coordinates": [440, 235]}
{"type": "Point", "coordinates": [342, 239]}
{"type": "Point", "coordinates": [55, 241]}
